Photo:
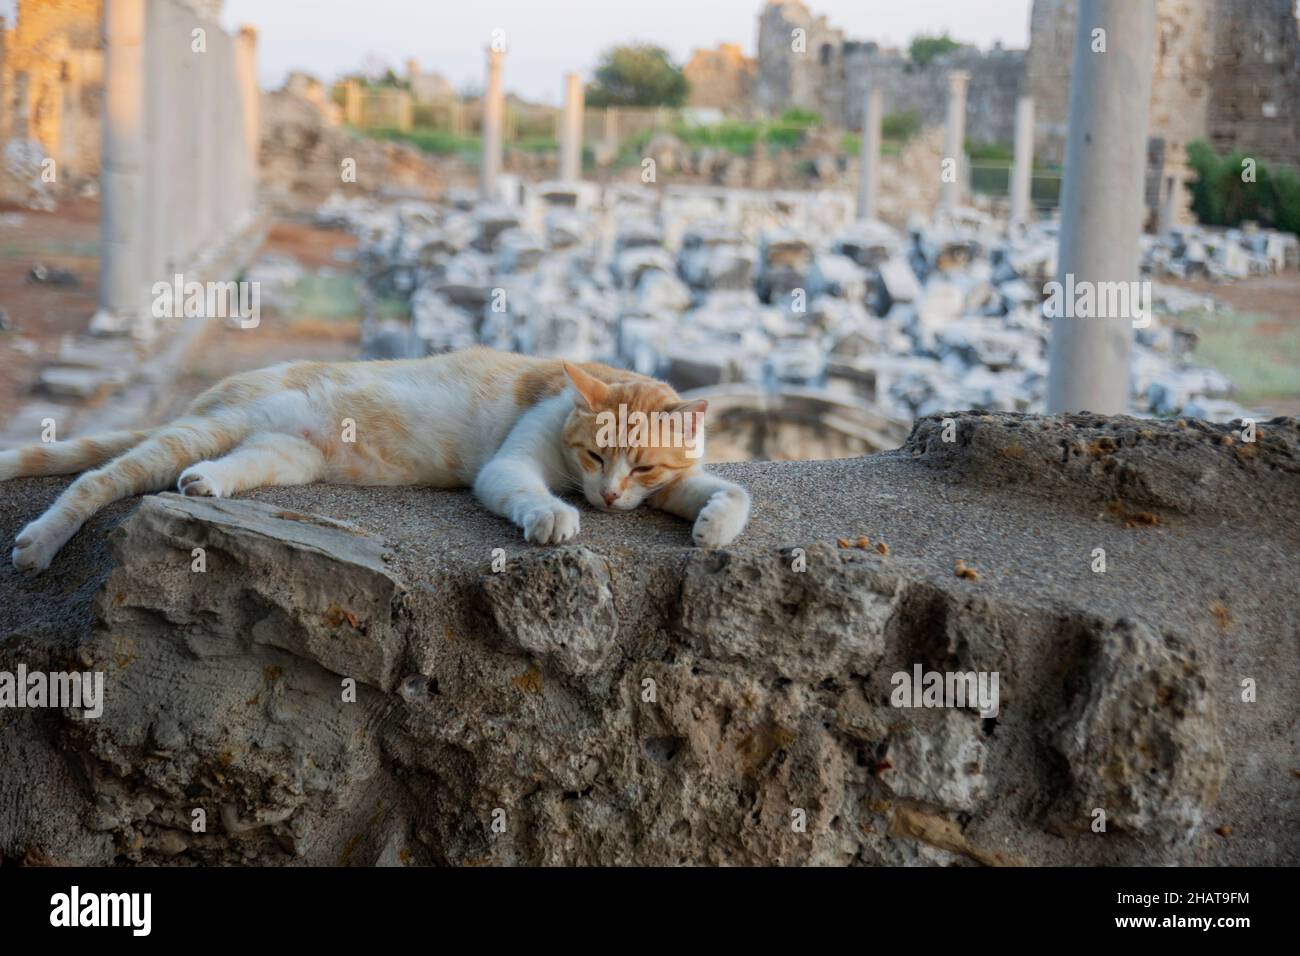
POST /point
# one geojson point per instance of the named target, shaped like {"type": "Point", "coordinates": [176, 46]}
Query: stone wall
{"type": "Point", "coordinates": [809, 76]}
{"type": "Point", "coordinates": [721, 79]}
{"type": "Point", "coordinates": [995, 79]}
{"type": "Point", "coordinates": [51, 78]}
{"type": "Point", "coordinates": [1227, 71]}
{"type": "Point", "coordinates": [384, 686]}
{"type": "Point", "coordinates": [831, 75]}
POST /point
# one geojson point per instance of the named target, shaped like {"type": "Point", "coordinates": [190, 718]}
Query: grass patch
{"type": "Point", "coordinates": [1260, 354]}
{"type": "Point", "coordinates": [435, 141]}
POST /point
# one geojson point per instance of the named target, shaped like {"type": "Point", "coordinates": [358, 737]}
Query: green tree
{"type": "Point", "coordinates": [639, 75]}
{"type": "Point", "coordinates": [926, 48]}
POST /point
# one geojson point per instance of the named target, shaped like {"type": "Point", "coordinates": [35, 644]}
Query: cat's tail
{"type": "Point", "coordinates": [67, 457]}
{"type": "Point", "coordinates": [152, 465]}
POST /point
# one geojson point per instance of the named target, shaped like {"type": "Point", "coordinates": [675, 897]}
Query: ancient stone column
{"type": "Point", "coordinates": [1102, 205]}
{"type": "Point", "coordinates": [493, 120]}
{"type": "Point", "coordinates": [122, 189]}
{"type": "Point", "coordinates": [954, 139]}
{"type": "Point", "coordinates": [204, 132]}
{"type": "Point", "coordinates": [1174, 198]}
{"type": "Point", "coordinates": [869, 159]}
{"type": "Point", "coordinates": [1022, 170]}
{"type": "Point", "coordinates": [250, 99]}
{"type": "Point", "coordinates": [571, 129]}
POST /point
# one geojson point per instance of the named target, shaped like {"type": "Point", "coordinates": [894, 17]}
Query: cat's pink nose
{"type": "Point", "coordinates": [609, 496]}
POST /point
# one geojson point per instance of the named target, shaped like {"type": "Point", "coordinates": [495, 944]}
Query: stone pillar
{"type": "Point", "coordinates": [1022, 171]}
{"type": "Point", "coordinates": [250, 101]}
{"type": "Point", "coordinates": [352, 108]}
{"type": "Point", "coordinates": [70, 119]}
{"type": "Point", "coordinates": [1102, 206]}
{"type": "Point", "coordinates": [571, 129]}
{"type": "Point", "coordinates": [1174, 198]}
{"type": "Point", "coordinates": [493, 121]}
{"type": "Point", "coordinates": [869, 161]}
{"type": "Point", "coordinates": [158, 89]}
{"type": "Point", "coordinates": [954, 140]}
{"type": "Point", "coordinates": [204, 133]}
{"type": "Point", "coordinates": [22, 107]}
{"type": "Point", "coordinates": [5, 92]}
{"type": "Point", "coordinates": [122, 189]}
{"type": "Point", "coordinates": [611, 127]}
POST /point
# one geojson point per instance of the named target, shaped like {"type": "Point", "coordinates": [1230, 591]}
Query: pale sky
{"type": "Point", "coordinates": [547, 38]}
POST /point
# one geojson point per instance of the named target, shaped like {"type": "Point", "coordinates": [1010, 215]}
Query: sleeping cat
{"type": "Point", "coordinates": [514, 428]}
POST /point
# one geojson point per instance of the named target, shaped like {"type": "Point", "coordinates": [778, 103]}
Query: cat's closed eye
{"type": "Point", "coordinates": [596, 458]}
{"type": "Point", "coordinates": [642, 469]}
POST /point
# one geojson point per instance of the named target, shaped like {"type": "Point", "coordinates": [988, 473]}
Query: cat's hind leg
{"type": "Point", "coordinates": [66, 457]}
{"type": "Point", "coordinates": [151, 465]}
{"type": "Point", "coordinates": [264, 459]}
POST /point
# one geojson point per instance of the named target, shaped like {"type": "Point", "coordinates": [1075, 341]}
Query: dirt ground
{"type": "Point", "coordinates": [69, 239]}
{"type": "Point", "coordinates": [41, 314]}
{"type": "Point", "coordinates": [1257, 342]}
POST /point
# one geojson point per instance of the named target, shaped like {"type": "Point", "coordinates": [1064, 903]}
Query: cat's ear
{"type": "Point", "coordinates": [591, 392]}
{"type": "Point", "coordinates": [692, 417]}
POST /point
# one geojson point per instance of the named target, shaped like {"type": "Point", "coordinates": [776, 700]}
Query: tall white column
{"type": "Point", "coordinates": [571, 129]}
{"type": "Point", "coordinates": [121, 280]}
{"type": "Point", "coordinates": [250, 101]}
{"type": "Point", "coordinates": [493, 117]}
{"type": "Point", "coordinates": [1173, 199]}
{"type": "Point", "coordinates": [869, 159]}
{"type": "Point", "coordinates": [954, 140]}
{"type": "Point", "coordinates": [206, 116]}
{"type": "Point", "coordinates": [1022, 170]}
{"type": "Point", "coordinates": [1102, 207]}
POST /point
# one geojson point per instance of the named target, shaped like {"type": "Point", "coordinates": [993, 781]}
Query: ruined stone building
{"type": "Point", "coordinates": [720, 79]}
{"type": "Point", "coordinates": [1226, 71]}
{"type": "Point", "coordinates": [819, 70]}
{"type": "Point", "coordinates": [51, 80]}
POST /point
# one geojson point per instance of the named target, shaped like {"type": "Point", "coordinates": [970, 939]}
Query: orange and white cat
{"type": "Point", "coordinates": [516, 429]}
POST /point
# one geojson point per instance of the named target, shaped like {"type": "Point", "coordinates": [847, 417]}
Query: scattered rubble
{"type": "Point", "coordinates": [709, 287]}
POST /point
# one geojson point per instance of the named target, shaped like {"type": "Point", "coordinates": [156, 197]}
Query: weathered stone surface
{"type": "Point", "coordinates": [300, 582]}
{"type": "Point", "coordinates": [367, 689]}
{"type": "Point", "coordinates": [940, 762]}
{"type": "Point", "coordinates": [558, 606]}
{"type": "Point", "coordinates": [798, 624]}
{"type": "Point", "coordinates": [1141, 738]}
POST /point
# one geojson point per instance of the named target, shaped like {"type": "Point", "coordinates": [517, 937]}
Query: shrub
{"type": "Point", "coordinates": [1222, 197]}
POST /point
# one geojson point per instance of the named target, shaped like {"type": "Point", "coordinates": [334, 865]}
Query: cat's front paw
{"type": "Point", "coordinates": [198, 481]}
{"type": "Point", "coordinates": [37, 544]}
{"type": "Point", "coordinates": [551, 524]}
{"type": "Point", "coordinates": [722, 519]}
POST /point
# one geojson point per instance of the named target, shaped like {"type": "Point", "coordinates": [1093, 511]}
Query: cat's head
{"type": "Point", "coordinates": [627, 440]}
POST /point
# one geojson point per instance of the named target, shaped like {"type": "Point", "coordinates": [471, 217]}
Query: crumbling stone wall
{"type": "Point", "coordinates": [721, 78]}
{"type": "Point", "coordinates": [1227, 71]}
{"type": "Point", "coordinates": [832, 74]}
{"type": "Point", "coordinates": [995, 78]}
{"type": "Point", "coordinates": [811, 77]}
{"type": "Point", "coordinates": [51, 77]}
